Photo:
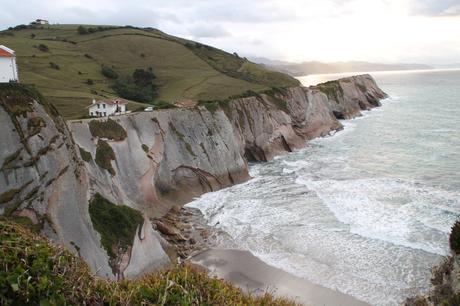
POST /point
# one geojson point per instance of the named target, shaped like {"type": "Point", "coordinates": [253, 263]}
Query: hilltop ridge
{"type": "Point", "coordinates": [65, 64]}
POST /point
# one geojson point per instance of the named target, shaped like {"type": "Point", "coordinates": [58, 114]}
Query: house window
{"type": "Point", "coordinates": [98, 106]}
{"type": "Point", "coordinates": [103, 105]}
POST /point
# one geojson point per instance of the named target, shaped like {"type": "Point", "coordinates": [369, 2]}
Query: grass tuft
{"type": "Point", "coordinates": [35, 272]}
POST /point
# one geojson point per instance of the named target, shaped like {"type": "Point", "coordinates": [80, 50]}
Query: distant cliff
{"type": "Point", "coordinates": [314, 67]}
{"type": "Point", "coordinates": [51, 171]}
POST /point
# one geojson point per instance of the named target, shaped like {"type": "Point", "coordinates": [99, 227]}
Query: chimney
{"type": "Point", "coordinates": [94, 101]}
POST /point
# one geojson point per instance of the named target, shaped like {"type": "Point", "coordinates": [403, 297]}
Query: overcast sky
{"type": "Point", "coordinates": [422, 31]}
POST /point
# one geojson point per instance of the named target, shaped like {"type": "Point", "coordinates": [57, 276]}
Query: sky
{"type": "Point", "coordinates": [385, 31]}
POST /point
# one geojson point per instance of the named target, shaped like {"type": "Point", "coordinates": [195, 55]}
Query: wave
{"type": "Point", "coordinates": [394, 211]}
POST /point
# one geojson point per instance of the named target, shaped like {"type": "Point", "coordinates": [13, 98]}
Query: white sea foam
{"type": "Point", "coordinates": [390, 210]}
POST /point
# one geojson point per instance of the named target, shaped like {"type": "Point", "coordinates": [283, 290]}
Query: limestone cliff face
{"type": "Point", "coordinates": [166, 158]}
{"type": "Point", "coordinates": [348, 96]}
{"type": "Point", "coordinates": [41, 174]}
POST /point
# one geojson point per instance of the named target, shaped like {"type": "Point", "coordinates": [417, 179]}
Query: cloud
{"type": "Point", "coordinates": [435, 7]}
{"type": "Point", "coordinates": [296, 30]}
{"type": "Point", "coordinates": [452, 11]}
{"type": "Point", "coordinates": [206, 30]}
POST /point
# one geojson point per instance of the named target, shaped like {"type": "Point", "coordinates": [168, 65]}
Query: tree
{"type": "Point", "coordinates": [143, 78]}
{"type": "Point", "coordinates": [82, 30]}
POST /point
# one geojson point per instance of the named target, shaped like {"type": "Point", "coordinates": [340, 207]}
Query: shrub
{"type": "Point", "coordinates": [454, 238]}
{"type": "Point", "coordinates": [104, 156]}
{"type": "Point", "coordinates": [88, 56]}
{"type": "Point", "coordinates": [143, 78]}
{"type": "Point", "coordinates": [115, 223]}
{"type": "Point", "coordinates": [34, 272]}
{"type": "Point", "coordinates": [82, 30]}
{"type": "Point", "coordinates": [107, 129]}
{"type": "Point", "coordinates": [89, 30]}
{"type": "Point", "coordinates": [332, 89]}
{"type": "Point", "coordinates": [85, 155]}
{"type": "Point", "coordinates": [89, 82]}
{"type": "Point", "coordinates": [19, 27]}
{"type": "Point", "coordinates": [109, 72]}
{"type": "Point", "coordinates": [43, 48]}
{"type": "Point", "coordinates": [35, 124]}
{"type": "Point", "coordinates": [54, 66]}
{"type": "Point", "coordinates": [160, 104]}
{"type": "Point", "coordinates": [139, 87]}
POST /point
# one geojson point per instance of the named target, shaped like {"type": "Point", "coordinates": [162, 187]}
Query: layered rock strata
{"type": "Point", "coordinates": [50, 170]}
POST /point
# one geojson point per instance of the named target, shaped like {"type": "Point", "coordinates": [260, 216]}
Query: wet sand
{"type": "Point", "coordinates": [254, 276]}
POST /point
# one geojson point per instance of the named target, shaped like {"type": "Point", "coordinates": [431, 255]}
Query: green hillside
{"type": "Point", "coordinates": [65, 65]}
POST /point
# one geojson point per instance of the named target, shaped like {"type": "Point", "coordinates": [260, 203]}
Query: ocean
{"type": "Point", "coordinates": [366, 211]}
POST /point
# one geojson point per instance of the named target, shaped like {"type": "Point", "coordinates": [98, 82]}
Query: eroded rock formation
{"type": "Point", "coordinates": [50, 170]}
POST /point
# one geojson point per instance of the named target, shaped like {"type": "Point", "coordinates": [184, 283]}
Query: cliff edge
{"type": "Point", "coordinates": [51, 171]}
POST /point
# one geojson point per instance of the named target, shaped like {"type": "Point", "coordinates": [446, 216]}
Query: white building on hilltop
{"type": "Point", "coordinates": [108, 107]}
{"type": "Point", "coordinates": [8, 68]}
{"type": "Point", "coordinates": [39, 21]}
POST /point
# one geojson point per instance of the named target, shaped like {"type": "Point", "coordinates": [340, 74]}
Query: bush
{"type": "Point", "coordinates": [143, 78]}
{"type": "Point", "coordinates": [139, 87]}
{"type": "Point", "coordinates": [43, 48]}
{"type": "Point", "coordinates": [34, 272]}
{"type": "Point", "coordinates": [454, 238]}
{"type": "Point", "coordinates": [82, 30]}
{"type": "Point", "coordinates": [109, 72]}
{"type": "Point", "coordinates": [89, 30]}
{"type": "Point", "coordinates": [85, 155]}
{"type": "Point", "coordinates": [107, 129]}
{"type": "Point", "coordinates": [54, 66]}
{"type": "Point", "coordinates": [104, 156]}
{"type": "Point", "coordinates": [115, 223]}
{"type": "Point", "coordinates": [89, 82]}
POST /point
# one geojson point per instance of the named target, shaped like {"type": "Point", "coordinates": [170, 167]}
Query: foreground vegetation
{"type": "Point", "coordinates": [445, 279]}
{"type": "Point", "coordinates": [71, 64]}
{"type": "Point", "coordinates": [34, 272]}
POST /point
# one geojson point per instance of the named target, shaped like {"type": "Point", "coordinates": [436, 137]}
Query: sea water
{"type": "Point", "coordinates": [367, 211]}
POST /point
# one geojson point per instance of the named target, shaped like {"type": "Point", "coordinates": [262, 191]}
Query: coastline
{"type": "Point", "coordinates": [192, 240]}
{"type": "Point", "coordinates": [254, 276]}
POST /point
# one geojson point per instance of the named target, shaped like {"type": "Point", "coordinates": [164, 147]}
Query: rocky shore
{"type": "Point", "coordinates": [186, 231]}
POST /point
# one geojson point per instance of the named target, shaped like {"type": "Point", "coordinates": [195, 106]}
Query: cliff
{"type": "Point", "coordinates": [151, 162]}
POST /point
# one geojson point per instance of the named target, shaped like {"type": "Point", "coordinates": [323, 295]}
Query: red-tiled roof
{"type": "Point", "coordinates": [4, 53]}
{"type": "Point", "coordinates": [110, 102]}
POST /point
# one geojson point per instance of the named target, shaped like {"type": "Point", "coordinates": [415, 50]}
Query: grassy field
{"type": "Point", "coordinates": [184, 69]}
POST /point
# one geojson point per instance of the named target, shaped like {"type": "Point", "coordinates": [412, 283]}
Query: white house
{"type": "Point", "coordinates": [8, 68]}
{"type": "Point", "coordinates": [40, 21]}
{"type": "Point", "coordinates": [108, 107]}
